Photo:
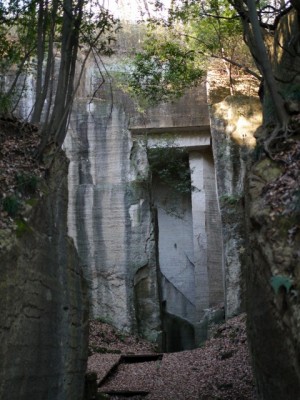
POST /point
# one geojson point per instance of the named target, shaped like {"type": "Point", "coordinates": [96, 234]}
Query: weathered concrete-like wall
{"type": "Point", "coordinates": [112, 209]}
{"type": "Point", "coordinates": [110, 217]}
{"type": "Point", "coordinates": [175, 244]}
{"type": "Point", "coordinates": [189, 238]}
{"type": "Point", "coordinates": [97, 219]}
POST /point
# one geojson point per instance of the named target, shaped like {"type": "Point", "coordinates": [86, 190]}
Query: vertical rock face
{"type": "Point", "coordinates": [233, 124]}
{"type": "Point", "coordinates": [138, 253]}
{"type": "Point", "coordinates": [207, 237]}
{"type": "Point", "coordinates": [273, 237]}
{"type": "Point", "coordinates": [142, 267]}
{"type": "Point", "coordinates": [176, 262]}
{"type": "Point", "coordinates": [110, 216]}
{"type": "Point", "coordinates": [43, 322]}
{"type": "Point", "coordinates": [273, 278]}
{"type": "Point", "coordinates": [97, 212]}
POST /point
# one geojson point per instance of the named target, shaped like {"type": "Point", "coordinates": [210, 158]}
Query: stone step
{"type": "Point", "coordinates": [125, 393]}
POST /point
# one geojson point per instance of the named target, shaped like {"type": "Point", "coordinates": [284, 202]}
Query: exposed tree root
{"type": "Point", "coordinates": [277, 137]}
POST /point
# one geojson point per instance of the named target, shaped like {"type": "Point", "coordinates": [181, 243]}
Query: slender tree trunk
{"type": "Point", "coordinates": [57, 127]}
{"type": "Point", "coordinates": [42, 91]}
{"type": "Point", "coordinates": [61, 133]}
{"type": "Point", "coordinates": [40, 58]}
{"type": "Point", "coordinates": [228, 72]}
{"type": "Point", "coordinates": [19, 72]}
{"type": "Point", "coordinates": [56, 122]}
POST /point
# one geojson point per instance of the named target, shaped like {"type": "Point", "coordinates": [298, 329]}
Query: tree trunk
{"type": "Point", "coordinates": [42, 88]}
{"type": "Point", "coordinates": [40, 59]}
{"type": "Point", "coordinates": [265, 64]}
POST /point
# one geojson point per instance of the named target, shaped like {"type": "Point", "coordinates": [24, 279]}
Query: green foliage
{"type": "Point", "coordinates": [177, 51]}
{"type": "Point", "coordinates": [213, 25]}
{"type": "Point", "coordinates": [163, 70]}
{"type": "Point", "coordinates": [230, 199]}
{"type": "Point", "coordinates": [11, 205]}
{"type": "Point", "coordinates": [27, 183]}
{"type": "Point", "coordinates": [17, 44]}
{"type": "Point", "coordinates": [121, 336]}
{"type": "Point", "coordinates": [10, 51]}
{"type": "Point", "coordinates": [280, 281]}
{"type": "Point", "coordinates": [171, 166]}
{"type": "Point", "coordinates": [98, 20]}
{"type": "Point", "coordinates": [104, 320]}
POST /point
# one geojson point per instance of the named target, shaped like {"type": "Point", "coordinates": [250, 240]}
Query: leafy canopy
{"type": "Point", "coordinates": [164, 69]}
{"type": "Point", "coordinates": [178, 49]}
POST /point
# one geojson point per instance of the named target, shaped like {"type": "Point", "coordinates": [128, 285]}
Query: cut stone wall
{"type": "Point", "coordinates": [44, 310]}
{"type": "Point", "coordinates": [175, 243]}
{"type": "Point", "coordinates": [136, 272]}
{"type": "Point", "coordinates": [99, 161]}
{"type": "Point", "coordinates": [189, 234]}
{"type": "Point", "coordinates": [110, 217]}
{"type": "Point", "coordinates": [233, 124]}
{"type": "Point", "coordinates": [207, 240]}
{"type": "Point", "coordinates": [139, 262]}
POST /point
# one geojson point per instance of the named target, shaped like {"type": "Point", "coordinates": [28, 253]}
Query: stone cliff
{"type": "Point", "coordinates": [153, 255]}
{"type": "Point", "coordinates": [272, 205]}
{"type": "Point", "coordinates": [43, 322]}
{"type": "Point", "coordinates": [233, 124]}
{"type": "Point", "coordinates": [272, 274]}
{"type": "Point", "coordinates": [109, 216]}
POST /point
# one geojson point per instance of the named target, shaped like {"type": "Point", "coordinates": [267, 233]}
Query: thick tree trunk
{"type": "Point", "coordinates": [265, 64]}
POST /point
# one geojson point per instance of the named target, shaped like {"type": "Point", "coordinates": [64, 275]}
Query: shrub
{"type": "Point", "coordinates": [171, 165]}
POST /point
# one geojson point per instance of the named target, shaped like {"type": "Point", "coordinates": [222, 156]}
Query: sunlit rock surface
{"type": "Point", "coordinates": [233, 124]}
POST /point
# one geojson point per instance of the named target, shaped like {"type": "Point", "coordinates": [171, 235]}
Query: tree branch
{"type": "Point", "coordinates": [236, 64]}
{"type": "Point", "coordinates": [232, 62]}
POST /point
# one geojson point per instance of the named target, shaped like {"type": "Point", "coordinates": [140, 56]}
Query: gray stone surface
{"type": "Point", "coordinates": [189, 111]}
{"type": "Point", "coordinates": [110, 216]}
{"type": "Point", "coordinates": [137, 253]}
{"type": "Point", "coordinates": [137, 259]}
{"type": "Point", "coordinates": [43, 320]}
{"type": "Point", "coordinates": [233, 124]}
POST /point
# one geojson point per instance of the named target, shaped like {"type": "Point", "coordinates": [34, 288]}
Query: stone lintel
{"type": "Point", "coordinates": [141, 130]}
{"type": "Point", "coordinates": [189, 138]}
